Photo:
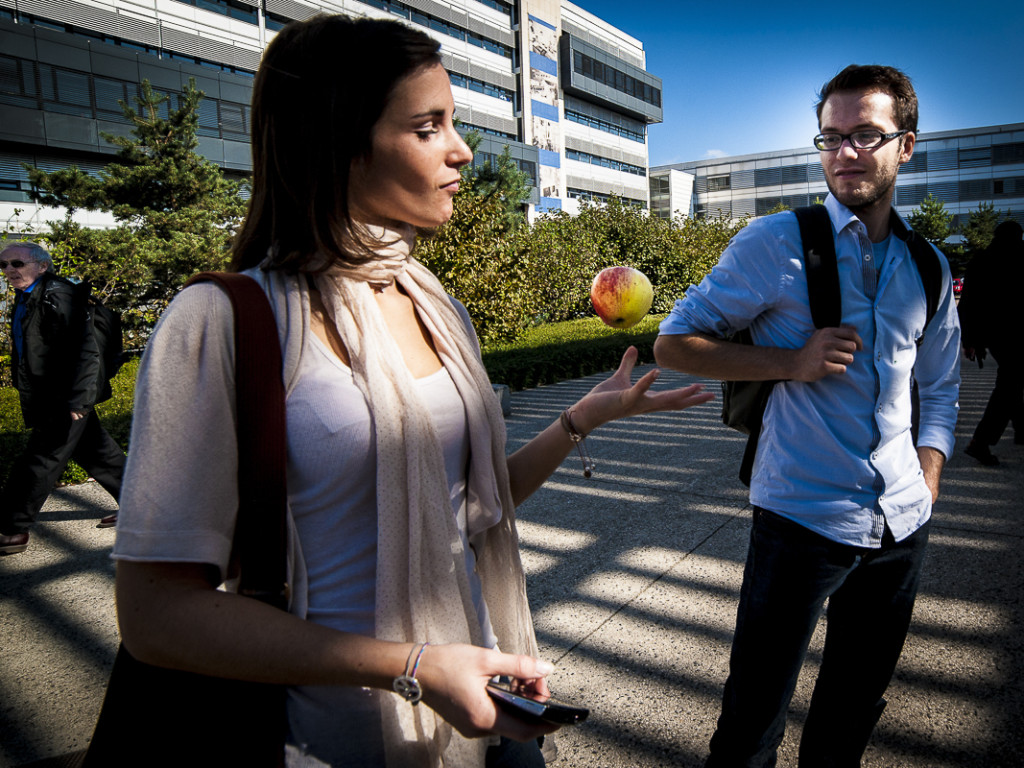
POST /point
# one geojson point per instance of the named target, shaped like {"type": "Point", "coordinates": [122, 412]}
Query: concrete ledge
{"type": "Point", "coordinates": [504, 397]}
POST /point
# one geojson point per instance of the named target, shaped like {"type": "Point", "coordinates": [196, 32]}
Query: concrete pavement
{"type": "Point", "coordinates": [633, 579]}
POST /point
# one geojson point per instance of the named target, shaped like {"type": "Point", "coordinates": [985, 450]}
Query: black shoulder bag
{"type": "Point", "coordinates": [155, 716]}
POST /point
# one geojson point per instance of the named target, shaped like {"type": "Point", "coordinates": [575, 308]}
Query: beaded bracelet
{"type": "Point", "coordinates": [406, 685]}
{"type": "Point", "coordinates": [578, 437]}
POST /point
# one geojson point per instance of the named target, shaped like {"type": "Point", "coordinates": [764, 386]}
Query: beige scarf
{"type": "Point", "coordinates": [423, 591]}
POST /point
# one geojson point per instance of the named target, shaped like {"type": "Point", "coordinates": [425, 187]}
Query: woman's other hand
{"type": "Point", "coordinates": [454, 680]}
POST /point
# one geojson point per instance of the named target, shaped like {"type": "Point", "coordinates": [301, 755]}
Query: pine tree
{"type": "Point", "coordinates": [932, 221]}
{"type": "Point", "coordinates": [501, 180]}
{"type": "Point", "coordinates": [981, 226]}
{"type": "Point", "coordinates": [175, 211]}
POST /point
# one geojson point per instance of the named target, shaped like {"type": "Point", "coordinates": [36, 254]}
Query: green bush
{"type": "Point", "coordinates": [115, 413]}
{"type": "Point", "coordinates": [512, 279]}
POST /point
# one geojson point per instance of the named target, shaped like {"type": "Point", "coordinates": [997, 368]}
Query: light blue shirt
{"type": "Point", "coordinates": [837, 455]}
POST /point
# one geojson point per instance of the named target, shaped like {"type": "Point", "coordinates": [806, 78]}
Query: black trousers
{"type": "Point", "coordinates": [1006, 403]}
{"type": "Point", "coordinates": [52, 443]}
{"type": "Point", "coordinates": [789, 574]}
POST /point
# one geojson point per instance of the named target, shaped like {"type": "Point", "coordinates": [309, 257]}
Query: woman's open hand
{"type": "Point", "coordinates": [617, 397]}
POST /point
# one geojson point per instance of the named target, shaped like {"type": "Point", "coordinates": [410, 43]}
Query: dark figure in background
{"type": "Point", "coordinates": [55, 366]}
{"type": "Point", "coordinates": [991, 318]}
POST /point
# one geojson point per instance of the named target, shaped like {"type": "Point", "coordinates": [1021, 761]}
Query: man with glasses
{"type": "Point", "coordinates": [55, 366]}
{"type": "Point", "coordinates": [842, 495]}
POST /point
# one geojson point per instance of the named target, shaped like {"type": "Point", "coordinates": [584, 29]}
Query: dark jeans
{"type": "Point", "coordinates": [789, 574]}
{"type": "Point", "coordinates": [51, 445]}
{"type": "Point", "coordinates": [1007, 400]}
{"type": "Point", "coordinates": [515, 754]}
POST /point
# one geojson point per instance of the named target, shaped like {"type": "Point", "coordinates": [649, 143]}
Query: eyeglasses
{"type": "Point", "coordinates": [16, 263]}
{"type": "Point", "coordinates": [830, 142]}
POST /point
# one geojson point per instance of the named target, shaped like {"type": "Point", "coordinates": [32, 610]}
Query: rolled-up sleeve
{"type": "Point", "coordinates": [747, 280]}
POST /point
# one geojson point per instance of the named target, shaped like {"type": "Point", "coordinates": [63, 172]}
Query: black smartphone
{"type": "Point", "coordinates": [536, 707]}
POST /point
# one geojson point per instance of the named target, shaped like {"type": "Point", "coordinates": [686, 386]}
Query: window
{"type": "Point", "coordinates": [603, 125]}
{"type": "Point", "coordinates": [496, 6]}
{"type": "Point", "coordinates": [441, 25]}
{"type": "Point", "coordinates": [599, 197]}
{"type": "Point", "coordinates": [620, 81]}
{"type": "Point", "coordinates": [718, 183]}
{"type": "Point", "coordinates": [481, 87]}
{"type": "Point", "coordinates": [230, 8]}
{"type": "Point", "coordinates": [234, 118]}
{"type": "Point", "coordinates": [605, 162]}
{"type": "Point", "coordinates": [71, 92]}
{"type": "Point", "coordinates": [109, 93]}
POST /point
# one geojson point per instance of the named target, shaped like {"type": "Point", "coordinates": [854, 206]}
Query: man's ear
{"type": "Point", "coordinates": [907, 150]}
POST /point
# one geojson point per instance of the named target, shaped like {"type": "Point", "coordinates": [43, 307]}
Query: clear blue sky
{"type": "Point", "coordinates": [741, 77]}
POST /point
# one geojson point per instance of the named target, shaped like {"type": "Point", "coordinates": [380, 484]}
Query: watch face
{"type": "Point", "coordinates": [408, 688]}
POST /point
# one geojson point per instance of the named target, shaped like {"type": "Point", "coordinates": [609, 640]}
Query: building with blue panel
{"type": "Point", "coordinates": [566, 92]}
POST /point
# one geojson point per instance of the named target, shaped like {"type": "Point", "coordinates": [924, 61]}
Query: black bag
{"type": "Point", "coordinates": [154, 716]}
{"type": "Point", "coordinates": [744, 402]}
{"type": "Point", "coordinates": [106, 325]}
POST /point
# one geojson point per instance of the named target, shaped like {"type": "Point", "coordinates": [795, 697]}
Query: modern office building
{"type": "Point", "coordinates": [568, 93]}
{"type": "Point", "coordinates": [962, 169]}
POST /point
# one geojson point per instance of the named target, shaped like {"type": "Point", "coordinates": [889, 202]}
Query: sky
{"type": "Point", "coordinates": [741, 77]}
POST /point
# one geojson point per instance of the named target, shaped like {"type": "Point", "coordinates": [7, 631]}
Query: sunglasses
{"type": "Point", "coordinates": [16, 263]}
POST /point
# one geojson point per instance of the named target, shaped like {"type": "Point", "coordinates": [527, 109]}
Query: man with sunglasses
{"type": "Point", "coordinates": [55, 366]}
{"type": "Point", "coordinates": [842, 495]}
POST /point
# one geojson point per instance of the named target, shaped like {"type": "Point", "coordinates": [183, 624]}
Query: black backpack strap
{"type": "Point", "coordinates": [928, 266]}
{"type": "Point", "coordinates": [823, 294]}
{"type": "Point", "coordinates": [819, 247]}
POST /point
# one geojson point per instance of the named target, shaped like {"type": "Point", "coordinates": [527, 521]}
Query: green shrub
{"type": "Point", "coordinates": [115, 413]}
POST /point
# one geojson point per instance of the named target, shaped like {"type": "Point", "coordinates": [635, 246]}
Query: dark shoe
{"type": "Point", "coordinates": [982, 454]}
{"type": "Point", "coordinates": [108, 522]}
{"type": "Point", "coordinates": [13, 544]}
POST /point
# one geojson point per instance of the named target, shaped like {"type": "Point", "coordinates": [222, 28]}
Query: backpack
{"type": "Point", "coordinates": [744, 402]}
{"type": "Point", "coordinates": [107, 329]}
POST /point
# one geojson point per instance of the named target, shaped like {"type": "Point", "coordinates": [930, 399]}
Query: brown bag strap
{"type": "Point", "coordinates": [260, 531]}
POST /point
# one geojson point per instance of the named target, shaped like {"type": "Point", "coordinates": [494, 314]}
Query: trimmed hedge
{"type": "Point", "coordinates": [568, 350]}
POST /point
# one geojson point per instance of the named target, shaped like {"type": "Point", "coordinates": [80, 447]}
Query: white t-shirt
{"type": "Point", "coordinates": [184, 429]}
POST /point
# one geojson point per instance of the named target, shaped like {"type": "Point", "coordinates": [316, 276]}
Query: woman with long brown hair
{"type": "Point", "coordinates": [400, 496]}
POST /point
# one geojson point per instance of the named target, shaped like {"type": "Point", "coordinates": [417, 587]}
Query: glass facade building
{"type": "Point", "coordinates": [963, 169]}
{"type": "Point", "coordinates": [566, 92]}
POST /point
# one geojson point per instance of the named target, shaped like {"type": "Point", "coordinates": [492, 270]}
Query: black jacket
{"type": "Point", "coordinates": [58, 370]}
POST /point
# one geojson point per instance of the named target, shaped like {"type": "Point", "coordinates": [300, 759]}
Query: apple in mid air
{"type": "Point", "coordinates": [621, 296]}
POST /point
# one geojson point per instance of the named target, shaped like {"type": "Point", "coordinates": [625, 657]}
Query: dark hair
{"type": "Point", "coordinates": [874, 77]}
{"type": "Point", "coordinates": [1008, 232]}
{"type": "Point", "coordinates": [322, 85]}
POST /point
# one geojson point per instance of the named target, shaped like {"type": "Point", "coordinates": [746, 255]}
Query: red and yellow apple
{"type": "Point", "coordinates": [621, 296]}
